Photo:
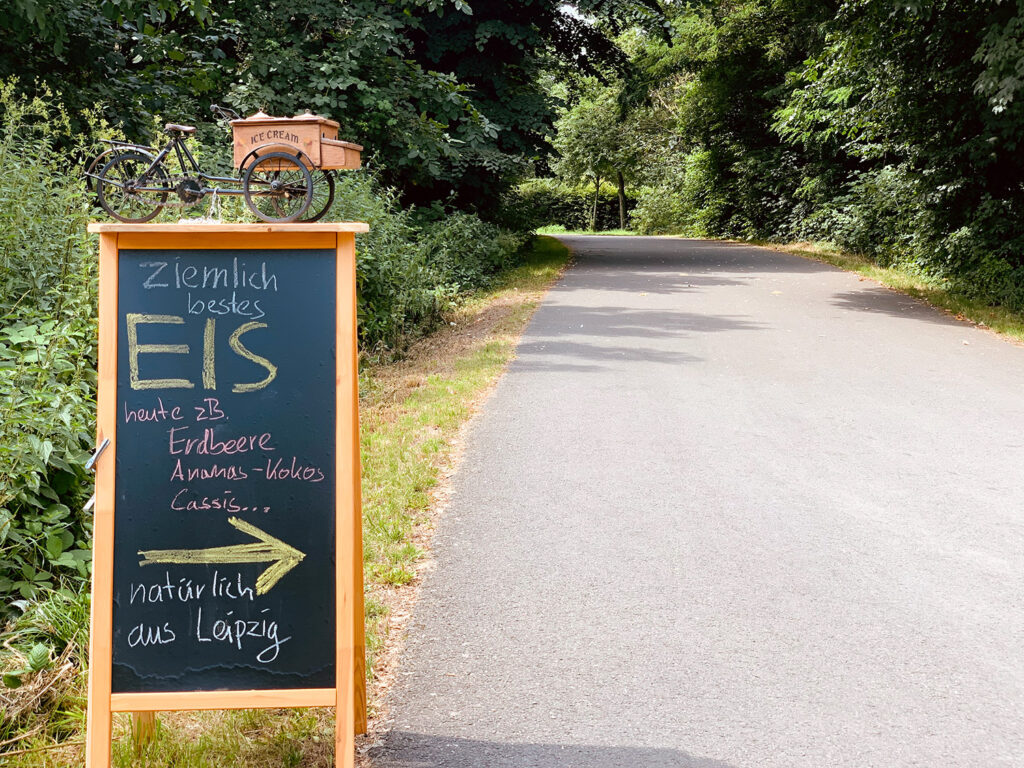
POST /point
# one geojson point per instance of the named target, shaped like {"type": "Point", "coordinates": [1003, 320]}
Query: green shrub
{"type": "Point", "coordinates": [465, 252]}
{"type": "Point", "coordinates": [544, 202]}
{"type": "Point", "coordinates": [661, 211]}
{"type": "Point", "coordinates": [693, 203]}
{"type": "Point", "coordinates": [871, 215]}
{"type": "Point", "coordinates": [47, 355]}
{"type": "Point", "coordinates": [412, 266]}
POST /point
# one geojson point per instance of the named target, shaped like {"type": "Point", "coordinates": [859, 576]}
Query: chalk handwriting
{"type": "Point", "coordinates": [134, 320]}
{"type": "Point", "coordinates": [185, 474]}
{"type": "Point", "coordinates": [208, 445]}
{"type": "Point", "coordinates": [187, 590]}
{"type": "Point", "coordinates": [224, 306]}
{"type": "Point", "coordinates": [183, 501]}
{"type": "Point", "coordinates": [240, 275]}
{"type": "Point", "coordinates": [156, 413]}
{"type": "Point", "coordinates": [143, 634]}
{"type": "Point", "coordinates": [184, 591]}
{"type": "Point", "coordinates": [160, 267]}
{"type": "Point", "coordinates": [236, 344]}
{"type": "Point", "coordinates": [278, 470]}
{"type": "Point", "coordinates": [210, 410]}
{"type": "Point", "coordinates": [237, 630]}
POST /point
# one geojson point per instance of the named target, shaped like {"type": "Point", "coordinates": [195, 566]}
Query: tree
{"type": "Point", "coordinates": [592, 142]}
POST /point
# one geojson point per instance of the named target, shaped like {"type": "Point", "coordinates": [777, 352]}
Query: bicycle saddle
{"type": "Point", "coordinates": [182, 128]}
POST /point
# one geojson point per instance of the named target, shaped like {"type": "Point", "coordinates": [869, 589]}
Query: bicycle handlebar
{"type": "Point", "coordinates": [224, 113]}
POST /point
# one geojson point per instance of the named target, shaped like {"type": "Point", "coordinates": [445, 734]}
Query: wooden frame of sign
{"type": "Point", "coordinates": [136, 662]}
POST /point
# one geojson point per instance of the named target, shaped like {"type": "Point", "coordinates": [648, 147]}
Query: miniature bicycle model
{"type": "Point", "coordinates": [285, 167]}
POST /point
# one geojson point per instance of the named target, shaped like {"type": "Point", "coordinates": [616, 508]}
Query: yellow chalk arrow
{"type": "Point", "coordinates": [268, 550]}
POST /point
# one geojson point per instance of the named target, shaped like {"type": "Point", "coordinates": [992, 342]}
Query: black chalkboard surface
{"type": "Point", "coordinates": [224, 561]}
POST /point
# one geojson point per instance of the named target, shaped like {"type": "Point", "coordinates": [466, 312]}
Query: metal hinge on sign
{"type": "Point", "coordinates": [99, 452]}
{"type": "Point", "coordinates": [90, 465]}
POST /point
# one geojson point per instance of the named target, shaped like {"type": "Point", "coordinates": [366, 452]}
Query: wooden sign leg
{"type": "Point", "coordinates": [347, 490]}
{"type": "Point", "coordinates": [98, 724]}
{"type": "Point", "coordinates": [143, 730]}
{"type": "Point", "coordinates": [98, 728]}
{"type": "Point", "coordinates": [359, 642]}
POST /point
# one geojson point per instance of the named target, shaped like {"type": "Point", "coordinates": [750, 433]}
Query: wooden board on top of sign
{"type": "Point", "coordinates": [228, 544]}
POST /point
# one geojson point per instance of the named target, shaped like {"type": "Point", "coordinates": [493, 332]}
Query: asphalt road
{"type": "Point", "coordinates": [729, 508]}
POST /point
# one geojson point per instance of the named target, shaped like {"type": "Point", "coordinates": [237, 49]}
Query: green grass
{"type": "Point", "coordinates": [929, 290]}
{"type": "Point", "coordinates": [558, 229]}
{"type": "Point", "coordinates": [411, 411]}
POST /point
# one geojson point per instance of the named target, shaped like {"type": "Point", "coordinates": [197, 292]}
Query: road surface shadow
{"type": "Point", "coordinates": [886, 302]}
{"type": "Point", "coordinates": [418, 750]}
{"type": "Point", "coordinates": [537, 355]}
{"type": "Point", "coordinates": [568, 319]}
{"type": "Point", "coordinates": [549, 347]}
{"type": "Point", "coordinates": [628, 278]}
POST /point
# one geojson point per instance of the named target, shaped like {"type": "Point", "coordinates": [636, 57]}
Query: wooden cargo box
{"type": "Point", "coordinates": [315, 136]}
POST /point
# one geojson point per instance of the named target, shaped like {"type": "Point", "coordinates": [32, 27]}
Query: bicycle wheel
{"type": "Point", "coordinates": [126, 194]}
{"type": "Point", "coordinates": [323, 195]}
{"type": "Point", "coordinates": [278, 187]}
{"type": "Point", "coordinates": [97, 163]}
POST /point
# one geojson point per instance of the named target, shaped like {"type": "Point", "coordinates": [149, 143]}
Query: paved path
{"type": "Point", "coordinates": [729, 508]}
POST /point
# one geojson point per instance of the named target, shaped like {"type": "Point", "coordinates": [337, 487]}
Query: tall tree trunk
{"type": "Point", "coordinates": [593, 212]}
{"type": "Point", "coordinates": [622, 201]}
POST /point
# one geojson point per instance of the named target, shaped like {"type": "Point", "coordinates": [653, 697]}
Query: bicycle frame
{"type": "Point", "coordinates": [177, 144]}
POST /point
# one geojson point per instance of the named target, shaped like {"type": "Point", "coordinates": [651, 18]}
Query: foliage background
{"type": "Point", "coordinates": [888, 129]}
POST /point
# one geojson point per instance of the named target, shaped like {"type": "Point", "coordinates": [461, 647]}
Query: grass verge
{"type": "Point", "coordinates": [929, 290]}
{"type": "Point", "coordinates": [412, 414]}
{"type": "Point", "coordinates": [558, 229]}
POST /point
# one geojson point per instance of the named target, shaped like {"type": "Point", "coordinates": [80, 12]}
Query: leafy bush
{"type": "Point", "coordinates": [981, 259]}
{"type": "Point", "coordinates": [872, 214]}
{"type": "Point", "coordinates": [691, 204]}
{"type": "Point", "coordinates": [661, 210]}
{"type": "Point", "coordinates": [465, 252]}
{"type": "Point", "coordinates": [412, 266]}
{"type": "Point", "coordinates": [543, 202]}
{"type": "Point", "coordinates": [47, 355]}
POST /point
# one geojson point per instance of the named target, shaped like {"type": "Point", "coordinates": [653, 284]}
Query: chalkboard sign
{"type": "Point", "coordinates": [223, 548]}
{"type": "Point", "coordinates": [227, 548]}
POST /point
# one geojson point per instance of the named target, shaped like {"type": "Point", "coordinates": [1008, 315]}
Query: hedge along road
{"type": "Point", "coordinates": [728, 507]}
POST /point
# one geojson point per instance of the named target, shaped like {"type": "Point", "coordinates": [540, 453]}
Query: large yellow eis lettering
{"type": "Point", "coordinates": [209, 370]}
{"type": "Point", "coordinates": [235, 343]}
{"type": "Point", "coordinates": [135, 349]}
